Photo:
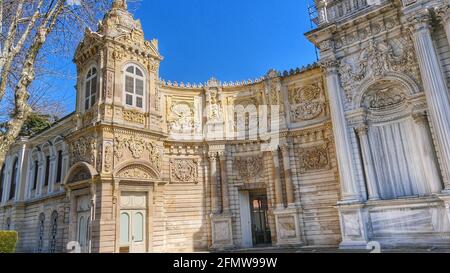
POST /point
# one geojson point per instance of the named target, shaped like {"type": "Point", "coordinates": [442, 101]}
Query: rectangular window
{"type": "Point", "coordinates": [47, 171]}
{"type": "Point", "coordinates": [139, 87]}
{"type": "Point", "coordinates": [138, 102]}
{"type": "Point", "coordinates": [129, 84]}
{"type": "Point", "coordinates": [36, 174]}
{"type": "Point", "coordinates": [129, 100]}
{"type": "Point", "coordinates": [59, 170]}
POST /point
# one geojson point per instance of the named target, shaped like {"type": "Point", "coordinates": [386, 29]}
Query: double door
{"type": "Point", "coordinates": [132, 231]}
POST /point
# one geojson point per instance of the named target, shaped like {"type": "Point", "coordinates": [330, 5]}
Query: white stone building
{"type": "Point", "coordinates": [353, 150]}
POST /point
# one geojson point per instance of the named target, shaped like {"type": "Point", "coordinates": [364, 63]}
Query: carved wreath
{"type": "Point", "coordinates": [183, 171]}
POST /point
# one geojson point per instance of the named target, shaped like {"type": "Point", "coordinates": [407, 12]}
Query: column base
{"type": "Point", "coordinates": [353, 219]}
{"type": "Point", "coordinates": [222, 231]}
{"type": "Point", "coordinates": [289, 232]}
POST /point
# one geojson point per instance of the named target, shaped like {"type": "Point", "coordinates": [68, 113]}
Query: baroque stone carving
{"type": "Point", "coordinates": [314, 158]}
{"type": "Point", "coordinates": [183, 171]}
{"type": "Point", "coordinates": [249, 167]}
{"type": "Point", "coordinates": [377, 59]}
{"type": "Point", "coordinates": [134, 116]}
{"type": "Point", "coordinates": [137, 146]}
{"type": "Point", "coordinates": [306, 103]}
{"type": "Point", "coordinates": [109, 152]}
{"type": "Point", "coordinates": [215, 110]}
{"type": "Point", "coordinates": [383, 97]}
{"type": "Point", "coordinates": [136, 172]}
{"type": "Point", "coordinates": [83, 149]}
{"type": "Point", "coordinates": [182, 118]}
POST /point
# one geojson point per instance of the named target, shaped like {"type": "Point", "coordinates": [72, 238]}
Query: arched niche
{"type": "Point", "coordinates": [394, 139]}
{"type": "Point", "coordinates": [81, 171]}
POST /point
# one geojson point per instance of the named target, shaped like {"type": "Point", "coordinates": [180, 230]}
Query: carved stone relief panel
{"type": "Point", "coordinates": [287, 227]}
{"type": "Point", "coordinates": [306, 102]}
{"type": "Point", "coordinates": [136, 147]}
{"type": "Point", "coordinates": [314, 158]}
{"type": "Point", "coordinates": [214, 104]}
{"type": "Point", "coordinates": [183, 170]}
{"type": "Point", "coordinates": [376, 60]}
{"type": "Point", "coordinates": [181, 116]}
{"type": "Point", "coordinates": [249, 167]}
{"type": "Point", "coordinates": [134, 117]}
{"type": "Point", "coordinates": [83, 149]}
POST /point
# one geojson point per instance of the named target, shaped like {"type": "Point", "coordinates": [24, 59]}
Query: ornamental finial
{"type": "Point", "coordinates": [120, 4]}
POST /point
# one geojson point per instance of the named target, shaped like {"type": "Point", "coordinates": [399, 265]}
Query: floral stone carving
{"type": "Point", "coordinates": [314, 158]}
{"type": "Point", "coordinates": [306, 103]}
{"type": "Point", "coordinates": [249, 167]}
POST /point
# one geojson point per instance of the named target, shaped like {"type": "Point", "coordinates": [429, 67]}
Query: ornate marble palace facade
{"type": "Point", "coordinates": [353, 150]}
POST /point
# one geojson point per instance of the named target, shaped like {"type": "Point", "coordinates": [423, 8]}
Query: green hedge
{"type": "Point", "coordinates": [8, 241]}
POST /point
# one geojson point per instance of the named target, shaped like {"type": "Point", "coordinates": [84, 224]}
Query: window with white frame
{"type": "Point", "coordinates": [90, 96]}
{"type": "Point", "coordinates": [134, 87]}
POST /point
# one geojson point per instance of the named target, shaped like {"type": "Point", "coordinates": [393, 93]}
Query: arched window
{"type": "Point", "coordinates": [2, 178]}
{"type": "Point", "coordinates": [90, 89]}
{"type": "Point", "coordinates": [14, 179]}
{"type": "Point", "coordinates": [41, 228]}
{"type": "Point", "coordinates": [59, 167]}
{"type": "Point", "coordinates": [134, 87]}
{"type": "Point", "coordinates": [36, 175]}
{"type": "Point", "coordinates": [47, 171]}
{"type": "Point", "coordinates": [53, 231]}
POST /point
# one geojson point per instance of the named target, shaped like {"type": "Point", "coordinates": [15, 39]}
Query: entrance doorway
{"type": "Point", "coordinates": [260, 223]}
{"type": "Point", "coordinates": [254, 219]}
{"type": "Point", "coordinates": [133, 223]}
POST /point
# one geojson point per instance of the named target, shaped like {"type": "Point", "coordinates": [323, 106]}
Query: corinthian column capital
{"type": "Point", "coordinates": [419, 21]}
{"type": "Point", "coordinates": [329, 65]}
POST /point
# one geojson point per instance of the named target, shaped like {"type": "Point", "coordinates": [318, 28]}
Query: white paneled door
{"type": "Point", "coordinates": [132, 231]}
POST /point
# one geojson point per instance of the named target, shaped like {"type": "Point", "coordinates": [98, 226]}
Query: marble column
{"type": "Point", "coordinates": [436, 89]}
{"type": "Point", "coordinates": [349, 187]}
{"type": "Point", "coordinates": [369, 167]}
{"type": "Point", "coordinates": [224, 180]}
{"type": "Point", "coordinates": [426, 147]}
{"type": "Point", "coordinates": [290, 195]}
{"type": "Point", "coordinates": [213, 178]}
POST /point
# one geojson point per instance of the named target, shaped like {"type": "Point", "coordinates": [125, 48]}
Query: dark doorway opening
{"type": "Point", "coordinates": [260, 224]}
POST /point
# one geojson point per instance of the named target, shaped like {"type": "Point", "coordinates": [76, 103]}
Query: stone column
{"type": "Point", "coordinates": [341, 135]}
{"type": "Point", "coordinates": [426, 147]}
{"type": "Point", "coordinates": [369, 167]}
{"type": "Point", "coordinates": [224, 180]}
{"type": "Point", "coordinates": [436, 90]}
{"type": "Point", "coordinates": [288, 176]}
{"type": "Point", "coordinates": [213, 178]}
{"type": "Point", "coordinates": [277, 180]}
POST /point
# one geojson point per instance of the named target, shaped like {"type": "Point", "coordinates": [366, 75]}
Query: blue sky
{"type": "Point", "coordinates": [228, 39]}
